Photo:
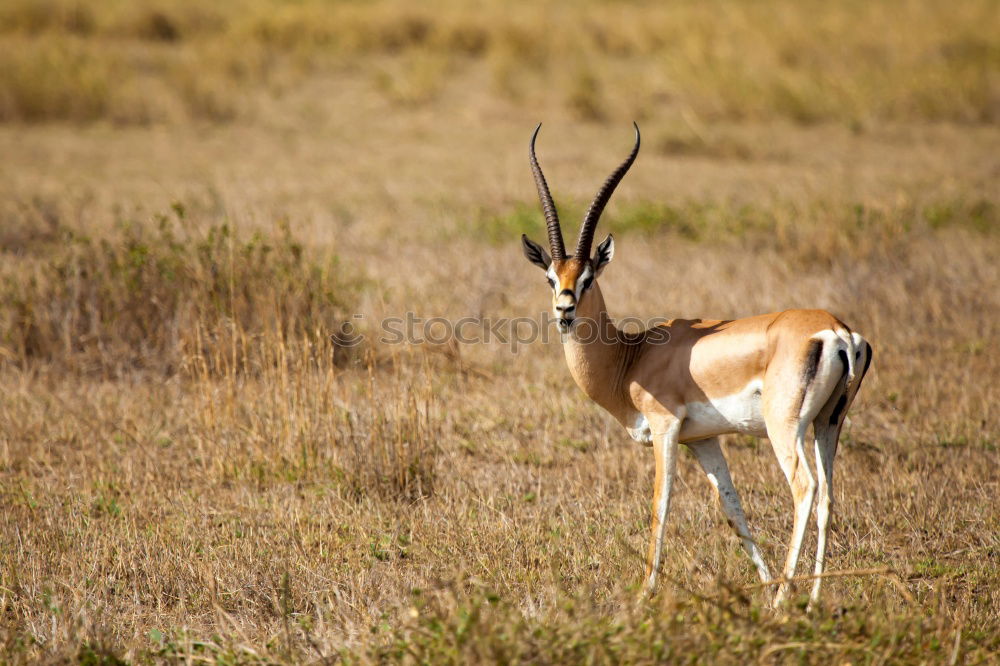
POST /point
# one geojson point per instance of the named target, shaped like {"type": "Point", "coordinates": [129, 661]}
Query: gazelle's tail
{"type": "Point", "coordinates": [852, 355]}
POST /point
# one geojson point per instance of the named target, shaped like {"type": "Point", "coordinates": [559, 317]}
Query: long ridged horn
{"type": "Point", "coordinates": [601, 200]}
{"type": "Point", "coordinates": [548, 206]}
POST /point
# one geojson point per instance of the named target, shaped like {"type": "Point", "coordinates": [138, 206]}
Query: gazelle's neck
{"type": "Point", "coordinates": [599, 356]}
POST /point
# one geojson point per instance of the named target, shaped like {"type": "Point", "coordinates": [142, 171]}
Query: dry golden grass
{"type": "Point", "coordinates": [193, 469]}
{"type": "Point", "coordinates": [857, 62]}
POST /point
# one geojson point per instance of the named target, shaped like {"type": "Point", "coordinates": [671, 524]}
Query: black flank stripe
{"type": "Point", "coordinates": [811, 368]}
{"type": "Point", "coordinates": [812, 361]}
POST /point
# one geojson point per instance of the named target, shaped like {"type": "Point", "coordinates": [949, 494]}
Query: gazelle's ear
{"type": "Point", "coordinates": [535, 254]}
{"type": "Point", "coordinates": [605, 252]}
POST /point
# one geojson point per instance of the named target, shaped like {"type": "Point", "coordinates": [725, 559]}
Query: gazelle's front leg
{"type": "Point", "coordinates": [665, 451]}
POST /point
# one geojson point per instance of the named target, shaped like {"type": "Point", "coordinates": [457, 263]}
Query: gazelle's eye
{"type": "Point", "coordinates": [586, 283]}
{"type": "Point", "coordinates": [552, 282]}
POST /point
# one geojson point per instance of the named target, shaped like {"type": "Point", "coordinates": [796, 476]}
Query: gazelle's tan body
{"type": "Point", "coordinates": [688, 381]}
{"type": "Point", "coordinates": [697, 362]}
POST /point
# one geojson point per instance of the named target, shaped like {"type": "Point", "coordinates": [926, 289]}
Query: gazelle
{"type": "Point", "coordinates": [690, 380]}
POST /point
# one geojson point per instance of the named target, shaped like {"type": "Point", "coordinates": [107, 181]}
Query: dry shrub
{"type": "Point", "coordinates": [55, 78]}
{"type": "Point", "coordinates": [149, 295]}
{"type": "Point", "coordinates": [306, 419]}
{"type": "Point", "coordinates": [393, 445]}
{"type": "Point", "coordinates": [64, 78]}
{"type": "Point", "coordinates": [36, 16]}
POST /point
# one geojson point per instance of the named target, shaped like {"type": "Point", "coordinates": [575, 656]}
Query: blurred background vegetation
{"type": "Point", "coordinates": [853, 61]}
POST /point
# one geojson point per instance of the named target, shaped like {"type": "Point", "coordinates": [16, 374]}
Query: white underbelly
{"type": "Point", "coordinates": [738, 413]}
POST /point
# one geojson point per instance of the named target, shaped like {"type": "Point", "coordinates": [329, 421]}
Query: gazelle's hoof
{"type": "Point", "coordinates": [647, 591]}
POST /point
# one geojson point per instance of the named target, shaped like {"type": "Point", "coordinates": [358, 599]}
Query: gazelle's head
{"type": "Point", "coordinates": [571, 278]}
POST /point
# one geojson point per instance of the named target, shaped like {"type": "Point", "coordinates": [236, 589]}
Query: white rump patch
{"type": "Point", "coordinates": [828, 373]}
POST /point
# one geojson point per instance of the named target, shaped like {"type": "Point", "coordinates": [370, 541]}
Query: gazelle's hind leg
{"type": "Point", "coordinates": [788, 446]}
{"type": "Point", "coordinates": [827, 435]}
{"type": "Point", "coordinates": [709, 454]}
{"type": "Point", "coordinates": [827, 426]}
{"type": "Point", "coordinates": [787, 414]}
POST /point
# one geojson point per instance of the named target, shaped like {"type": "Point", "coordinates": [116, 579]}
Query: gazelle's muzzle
{"type": "Point", "coordinates": [565, 309]}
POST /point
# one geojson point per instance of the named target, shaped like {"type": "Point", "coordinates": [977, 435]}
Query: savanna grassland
{"type": "Point", "coordinates": [200, 203]}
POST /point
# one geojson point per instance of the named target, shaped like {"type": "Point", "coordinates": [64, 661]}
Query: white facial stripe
{"type": "Point", "coordinates": [582, 280]}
